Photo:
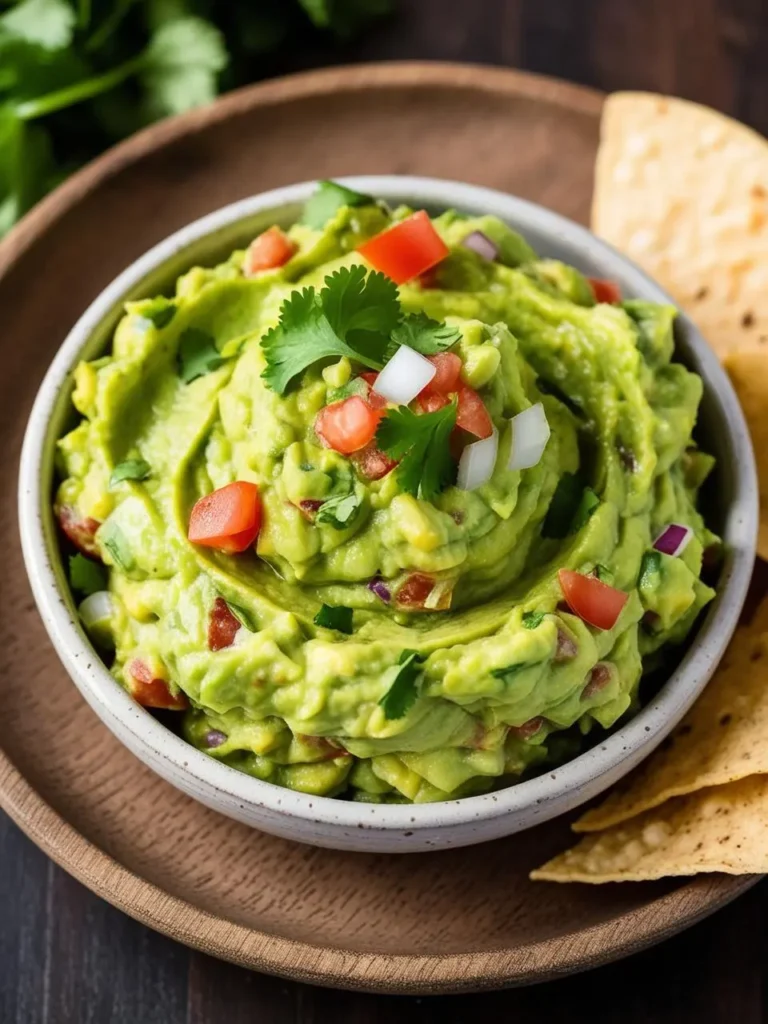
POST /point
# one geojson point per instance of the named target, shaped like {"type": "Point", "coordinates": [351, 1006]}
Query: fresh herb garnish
{"type": "Point", "coordinates": [198, 354]}
{"type": "Point", "coordinates": [532, 620]}
{"type": "Point", "coordinates": [160, 312]}
{"type": "Point", "coordinates": [586, 507]}
{"type": "Point", "coordinates": [243, 617]}
{"type": "Point", "coordinates": [114, 540]}
{"type": "Point", "coordinates": [403, 691]}
{"type": "Point", "coordinates": [85, 575]}
{"type": "Point", "coordinates": [420, 444]}
{"type": "Point", "coordinates": [339, 512]}
{"type": "Point", "coordinates": [649, 568]}
{"type": "Point", "coordinates": [356, 386]}
{"type": "Point", "coordinates": [330, 196]}
{"type": "Point", "coordinates": [353, 316]}
{"type": "Point", "coordinates": [425, 335]}
{"type": "Point", "coordinates": [509, 671]}
{"type": "Point", "coordinates": [338, 618]}
{"type": "Point", "coordinates": [110, 67]}
{"type": "Point", "coordinates": [131, 469]}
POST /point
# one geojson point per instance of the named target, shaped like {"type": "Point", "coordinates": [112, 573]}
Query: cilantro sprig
{"type": "Point", "coordinates": [353, 315]}
{"type": "Point", "coordinates": [403, 690]}
{"type": "Point", "coordinates": [113, 66]}
{"type": "Point", "coordinates": [420, 444]}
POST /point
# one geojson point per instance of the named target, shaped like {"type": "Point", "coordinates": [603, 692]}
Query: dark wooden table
{"type": "Point", "coordinates": [66, 956]}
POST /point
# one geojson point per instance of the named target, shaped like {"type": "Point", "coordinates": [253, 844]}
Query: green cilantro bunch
{"type": "Point", "coordinates": [78, 75]}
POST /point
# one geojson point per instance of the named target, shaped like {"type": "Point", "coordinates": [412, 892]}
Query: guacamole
{"type": "Point", "coordinates": [353, 595]}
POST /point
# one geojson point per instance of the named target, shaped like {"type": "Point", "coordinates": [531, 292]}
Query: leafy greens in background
{"type": "Point", "coordinates": [78, 75]}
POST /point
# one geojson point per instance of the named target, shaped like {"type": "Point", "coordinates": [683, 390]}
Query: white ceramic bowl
{"type": "Point", "coordinates": [337, 823]}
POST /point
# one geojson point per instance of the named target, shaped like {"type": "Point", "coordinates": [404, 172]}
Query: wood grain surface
{"type": "Point", "coordinates": [64, 955]}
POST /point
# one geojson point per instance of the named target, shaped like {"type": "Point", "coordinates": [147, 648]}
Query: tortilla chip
{"type": "Point", "coordinates": [724, 737]}
{"type": "Point", "coordinates": [748, 370]}
{"type": "Point", "coordinates": [721, 829]}
{"type": "Point", "coordinates": [683, 191]}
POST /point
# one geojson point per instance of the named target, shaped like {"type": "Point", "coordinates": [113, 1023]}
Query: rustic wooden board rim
{"type": "Point", "coordinates": [422, 973]}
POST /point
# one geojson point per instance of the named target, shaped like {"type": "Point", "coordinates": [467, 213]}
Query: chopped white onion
{"type": "Point", "coordinates": [477, 462]}
{"type": "Point", "coordinates": [530, 433]}
{"type": "Point", "coordinates": [405, 375]}
{"type": "Point", "coordinates": [96, 608]}
{"type": "Point", "coordinates": [436, 598]}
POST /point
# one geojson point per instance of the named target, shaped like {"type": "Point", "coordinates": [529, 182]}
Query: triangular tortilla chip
{"type": "Point", "coordinates": [683, 191]}
{"type": "Point", "coordinates": [748, 369]}
{"type": "Point", "coordinates": [724, 736]}
{"type": "Point", "coordinates": [721, 829]}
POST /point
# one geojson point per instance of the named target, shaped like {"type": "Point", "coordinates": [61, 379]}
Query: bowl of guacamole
{"type": "Point", "coordinates": [388, 513]}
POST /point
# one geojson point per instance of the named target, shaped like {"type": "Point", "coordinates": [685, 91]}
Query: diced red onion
{"type": "Point", "coordinates": [566, 646]}
{"type": "Point", "coordinates": [95, 608]}
{"type": "Point", "coordinates": [477, 462]}
{"type": "Point", "coordinates": [405, 375]}
{"type": "Point", "coordinates": [380, 589]}
{"type": "Point", "coordinates": [215, 738]}
{"type": "Point", "coordinates": [480, 243]}
{"type": "Point", "coordinates": [530, 433]}
{"type": "Point", "coordinates": [673, 539]}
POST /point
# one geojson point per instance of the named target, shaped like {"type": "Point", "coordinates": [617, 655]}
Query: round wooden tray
{"type": "Point", "coordinates": [426, 923]}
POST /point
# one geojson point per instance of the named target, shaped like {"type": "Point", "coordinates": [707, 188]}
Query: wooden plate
{"type": "Point", "coordinates": [426, 923]}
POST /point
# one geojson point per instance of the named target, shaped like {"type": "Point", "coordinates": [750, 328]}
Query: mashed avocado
{"type": "Point", "coordinates": [381, 632]}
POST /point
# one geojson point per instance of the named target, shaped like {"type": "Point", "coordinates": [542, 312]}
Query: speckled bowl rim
{"type": "Point", "coordinates": [568, 785]}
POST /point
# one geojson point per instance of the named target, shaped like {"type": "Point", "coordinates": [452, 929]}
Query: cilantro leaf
{"type": "Point", "coordinates": [312, 328]}
{"type": "Point", "coordinates": [532, 620]}
{"type": "Point", "coordinates": [243, 617]}
{"type": "Point", "coordinates": [131, 469]}
{"type": "Point", "coordinates": [47, 23]}
{"type": "Point", "coordinates": [362, 308]}
{"type": "Point", "coordinates": [509, 671]}
{"type": "Point", "coordinates": [116, 543]}
{"type": "Point", "coordinates": [420, 444]}
{"type": "Point", "coordinates": [180, 67]}
{"type": "Point", "coordinates": [425, 335]}
{"type": "Point", "coordinates": [159, 311]}
{"type": "Point", "coordinates": [403, 690]}
{"type": "Point", "coordinates": [561, 519]}
{"type": "Point", "coordinates": [356, 386]}
{"type": "Point", "coordinates": [339, 512]}
{"type": "Point", "coordinates": [327, 200]}
{"type": "Point", "coordinates": [198, 354]}
{"type": "Point", "coordinates": [586, 508]}
{"type": "Point", "coordinates": [338, 618]}
{"type": "Point", "coordinates": [86, 576]}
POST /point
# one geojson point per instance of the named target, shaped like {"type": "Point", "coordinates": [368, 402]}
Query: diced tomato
{"type": "Point", "coordinates": [151, 691]}
{"type": "Point", "coordinates": [308, 508]}
{"type": "Point", "coordinates": [472, 414]}
{"type": "Point", "coordinates": [431, 401]}
{"type": "Point", "coordinates": [81, 530]}
{"type": "Point", "coordinates": [415, 591]}
{"type": "Point", "coordinates": [527, 729]}
{"type": "Point", "coordinates": [599, 678]}
{"type": "Point", "coordinates": [375, 400]}
{"type": "Point", "coordinates": [406, 250]}
{"type": "Point", "coordinates": [229, 519]}
{"type": "Point", "coordinates": [372, 463]}
{"type": "Point", "coordinates": [593, 601]}
{"type": "Point", "coordinates": [347, 426]}
{"type": "Point", "coordinates": [605, 291]}
{"type": "Point", "coordinates": [271, 249]}
{"type": "Point", "coordinates": [447, 379]}
{"type": "Point", "coordinates": [222, 626]}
